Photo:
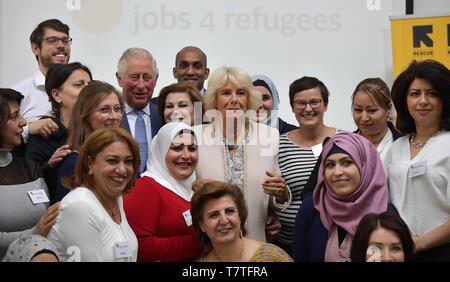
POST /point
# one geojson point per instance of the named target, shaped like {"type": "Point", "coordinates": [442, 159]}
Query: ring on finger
{"type": "Point", "coordinates": [276, 193]}
{"type": "Point", "coordinates": [50, 126]}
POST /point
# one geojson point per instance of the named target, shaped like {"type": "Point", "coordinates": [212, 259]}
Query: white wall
{"type": "Point", "coordinates": [340, 42]}
{"type": "Point", "coordinates": [431, 6]}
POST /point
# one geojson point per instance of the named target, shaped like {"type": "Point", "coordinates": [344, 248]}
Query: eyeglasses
{"type": "Point", "coordinates": [53, 40]}
{"type": "Point", "coordinates": [314, 103]}
{"type": "Point", "coordinates": [107, 110]}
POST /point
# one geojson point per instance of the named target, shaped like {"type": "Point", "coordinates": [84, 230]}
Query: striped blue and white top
{"type": "Point", "coordinates": [296, 164]}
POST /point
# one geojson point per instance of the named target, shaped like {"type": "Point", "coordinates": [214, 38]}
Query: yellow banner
{"type": "Point", "coordinates": [420, 38]}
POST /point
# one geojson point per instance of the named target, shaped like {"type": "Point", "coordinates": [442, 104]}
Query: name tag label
{"type": "Point", "coordinates": [122, 249]}
{"type": "Point", "coordinates": [417, 169]}
{"type": "Point", "coordinates": [38, 196]}
{"type": "Point", "coordinates": [187, 217]}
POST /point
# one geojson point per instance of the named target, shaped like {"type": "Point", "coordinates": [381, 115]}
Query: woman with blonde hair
{"type": "Point", "coordinates": [245, 152]}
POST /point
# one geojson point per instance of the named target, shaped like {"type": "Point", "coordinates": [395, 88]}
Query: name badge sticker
{"type": "Point", "coordinates": [38, 196]}
{"type": "Point", "coordinates": [417, 169]}
{"type": "Point", "coordinates": [187, 217]}
{"type": "Point", "coordinates": [122, 249]}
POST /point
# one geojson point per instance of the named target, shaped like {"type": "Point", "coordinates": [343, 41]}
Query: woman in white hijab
{"type": "Point", "coordinates": [158, 208]}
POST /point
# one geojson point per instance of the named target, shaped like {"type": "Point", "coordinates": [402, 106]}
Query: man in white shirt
{"type": "Point", "coordinates": [190, 67]}
{"type": "Point", "coordinates": [137, 74]}
{"type": "Point", "coordinates": [50, 43]}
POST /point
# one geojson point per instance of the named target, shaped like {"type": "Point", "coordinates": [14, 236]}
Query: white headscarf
{"type": "Point", "coordinates": [156, 162]}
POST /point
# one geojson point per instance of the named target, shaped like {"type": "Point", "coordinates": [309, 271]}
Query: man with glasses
{"type": "Point", "coordinates": [137, 74]}
{"type": "Point", "coordinates": [50, 43]}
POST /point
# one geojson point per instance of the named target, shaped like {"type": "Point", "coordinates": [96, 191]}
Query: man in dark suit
{"type": "Point", "coordinates": [137, 74]}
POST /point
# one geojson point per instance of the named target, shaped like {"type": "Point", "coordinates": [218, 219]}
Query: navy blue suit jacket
{"type": "Point", "coordinates": [155, 119]}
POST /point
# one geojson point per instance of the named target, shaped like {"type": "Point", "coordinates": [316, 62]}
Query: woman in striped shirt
{"type": "Point", "coordinates": [300, 148]}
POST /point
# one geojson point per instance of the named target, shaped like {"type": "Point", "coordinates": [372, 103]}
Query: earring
{"type": "Point", "coordinates": [90, 172]}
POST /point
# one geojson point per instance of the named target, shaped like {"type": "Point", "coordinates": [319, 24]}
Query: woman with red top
{"type": "Point", "coordinates": [158, 208]}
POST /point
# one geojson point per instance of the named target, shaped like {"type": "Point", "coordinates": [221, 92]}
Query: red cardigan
{"type": "Point", "coordinates": [156, 216]}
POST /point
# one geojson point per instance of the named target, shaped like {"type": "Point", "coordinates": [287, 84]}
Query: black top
{"type": "Point", "coordinates": [41, 150]}
{"type": "Point", "coordinates": [284, 127]}
{"type": "Point", "coordinates": [19, 171]}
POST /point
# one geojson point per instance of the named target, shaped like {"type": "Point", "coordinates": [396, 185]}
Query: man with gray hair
{"type": "Point", "coordinates": [137, 74]}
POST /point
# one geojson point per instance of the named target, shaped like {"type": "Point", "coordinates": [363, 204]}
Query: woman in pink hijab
{"type": "Point", "coordinates": [351, 183]}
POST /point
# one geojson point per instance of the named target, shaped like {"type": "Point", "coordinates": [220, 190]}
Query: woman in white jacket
{"type": "Point", "coordinates": [418, 165]}
{"type": "Point", "coordinates": [234, 149]}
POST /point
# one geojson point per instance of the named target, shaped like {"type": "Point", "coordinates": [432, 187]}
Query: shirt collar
{"type": "Point", "coordinates": [5, 157]}
{"type": "Point", "coordinates": [129, 109]}
{"type": "Point", "coordinates": [39, 78]}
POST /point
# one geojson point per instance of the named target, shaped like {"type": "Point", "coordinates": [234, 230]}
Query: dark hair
{"type": "Point", "coordinates": [306, 83]}
{"type": "Point", "coordinates": [37, 35]}
{"type": "Point", "coordinates": [262, 83]}
{"type": "Point", "coordinates": [369, 223]}
{"type": "Point", "coordinates": [177, 57]}
{"type": "Point", "coordinates": [438, 75]}
{"type": "Point", "coordinates": [215, 190]}
{"type": "Point", "coordinates": [6, 95]}
{"type": "Point", "coordinates": [57, 74]}
{"type": "Point", "coordinates": [184, 87]}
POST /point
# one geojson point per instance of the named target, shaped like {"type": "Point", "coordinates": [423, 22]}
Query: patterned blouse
{"type": "Point", "coordinates": [235, 167]}
{"type": "Point", "coordinates": [266, 252]}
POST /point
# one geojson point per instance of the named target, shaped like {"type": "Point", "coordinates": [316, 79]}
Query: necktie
{"type": "Point", "coordinates": [141, 138]}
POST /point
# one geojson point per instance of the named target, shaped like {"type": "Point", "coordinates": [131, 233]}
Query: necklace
{"type": "Point", "coordinates": [412, 140]}
{"type": "Point", "coordinates": [113, 211]}
{"type": "Point", "coordinates": [226, 156]}
{"type": "Point", "coordinates": [239, 258]}
{"type": "Point", "coordinates": [245, 173]}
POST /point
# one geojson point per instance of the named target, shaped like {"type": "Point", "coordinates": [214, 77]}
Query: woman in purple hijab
{"type": "Point", "coordinates": [351, 183]}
